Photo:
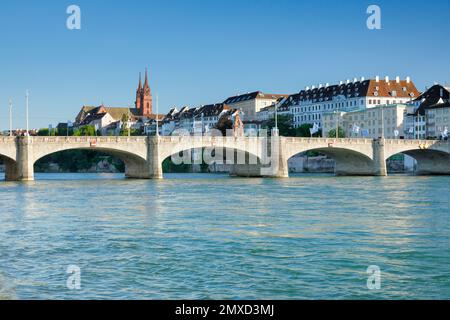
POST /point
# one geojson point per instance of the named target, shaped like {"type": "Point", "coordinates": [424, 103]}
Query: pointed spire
{"type": "Point", "coordinates": [146, 79]}
{"type": "Point", "coordinates": [139, 89]}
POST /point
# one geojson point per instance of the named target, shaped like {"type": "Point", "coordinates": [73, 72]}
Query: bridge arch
{"type": "Point", "coordinates": [10, 164]}
{"type": "Point", "coordinates": [243, 154]}
{"type": "Point", "coordinates": [351, 156]}
{"type": "Point", "coordinates": [432, 157]}
{"type": "Point", "coordinates": [347, 161]}
{"type": "Point", "coordinates": [134, 157]}
{"type": "Point", "coordinates": [8, 155]}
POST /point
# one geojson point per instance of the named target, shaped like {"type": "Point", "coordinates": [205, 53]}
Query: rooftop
{"type": "Point", "coordinates": [252, 96]}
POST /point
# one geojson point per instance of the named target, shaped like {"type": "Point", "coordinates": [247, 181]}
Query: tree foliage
{"type": "Point", "coordinates": [87, 130]}
{"type": "Point", "coordinates": [332, 133]}
{"type": "Point", "coordinates": [77, 161]}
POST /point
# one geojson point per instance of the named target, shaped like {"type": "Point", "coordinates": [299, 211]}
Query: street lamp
{"type": "Point", "coordinates": [337, 124]}
{"type": "Point", "coordinates": [10, 118]}
{"type": "Point", "coordinates": [276, 119]}
{"type": "Point", "coordinates": [157, 112]}
{"type": "Point", "coordinates": [26, 100]}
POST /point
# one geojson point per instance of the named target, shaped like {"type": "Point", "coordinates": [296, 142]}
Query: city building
{"type": "Point", "coordinates": [199, 119]}
{"type": "Point", "coordinates": [309, 105]}
{"type": "Point", "coordinates": [251, 103]}
{"type": "Point", "coordinates": [368, 123]}
{"type": "Point", "coordinates": [428, 117]}
{"type": "Point", "coordinates": [266, 113]}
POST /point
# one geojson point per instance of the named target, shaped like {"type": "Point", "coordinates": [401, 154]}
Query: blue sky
{"type": "Point", "coordinates": [201, 52]}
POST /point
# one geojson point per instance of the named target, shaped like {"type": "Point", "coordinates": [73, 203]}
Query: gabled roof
{"type": "Point", "coordinates": [93, 117]}
{"type": "Point", "coordinates": [367, 88]}
{"type": "Point", "coordinates": [212, 110]}
{"type": "Point", "coordinates": [252, 96]}
{"type": "Point", "coordinates": [435, 97]}
{"type": "Point", "coordinates": [116, 113]}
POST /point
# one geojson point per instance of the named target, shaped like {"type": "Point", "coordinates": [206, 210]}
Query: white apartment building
{"type": "Point", "coordinates": [251, 103]}
{"type": "Point", "coordinates": [309, 105]}
{"type": "Point", "coordinates": [368, 123]}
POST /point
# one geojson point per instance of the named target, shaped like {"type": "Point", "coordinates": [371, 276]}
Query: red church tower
{"type": "Point", "coordinates": [144, 97]}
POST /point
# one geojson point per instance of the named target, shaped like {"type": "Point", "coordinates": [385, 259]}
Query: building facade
{"type": "Point", "coordinates": [251, 103]}
{"type": "Point", "coordinates": [428, 117]}
{"type": "Point", "coordinates": [309, 105]}
{"type": "Point", "coordinates": [368, 123]}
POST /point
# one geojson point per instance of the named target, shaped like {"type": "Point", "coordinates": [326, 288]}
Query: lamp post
{"type": "Point", "coordinates": [10, 118]}
{"type": "Point", "coordinates": [26, 113]}
{"type": "Point", "coordinates": [157, 112]}
{"type": "Point", "coordinates": [337, 124]}
{"type": "Point", "coordinates": [128, 122]}
{"type": "Point", "coordinates": [276, 121]}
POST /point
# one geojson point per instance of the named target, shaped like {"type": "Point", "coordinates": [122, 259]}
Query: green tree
{"type": "Point", "coordinates": [304, 131]}
{"type": "Point", "coordinates": [332, 133]}
{"type": "Point", "coordinates": [87, 130]}
{"type": "Point", "coordinates": [285, 125]}
{"type": "Point", "coordinates": [43, 132]}
{"type": "Point", "coordinates": [133, 132]}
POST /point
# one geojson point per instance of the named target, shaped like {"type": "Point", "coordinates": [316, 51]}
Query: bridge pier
{"type": "Point", "coordinates": [154, 161]}
{"type": "Point", "coordinates": [24, 169]}
{"type": "Point", "coordinates": [379, 159]}
{"type": "Point", "coordinates": [273, 166]}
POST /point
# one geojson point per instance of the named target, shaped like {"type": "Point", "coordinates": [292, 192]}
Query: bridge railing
{"type": "Point", "coordinates": [328, 140]}
{"type": "Point", "coordinates": [413, 142]}
{"type": "Point", "coordinates": [207, 139]}
{"type": "Point", "coordinates": [7, 139]}
{"type": "Point", "coordinates": [88, 139]}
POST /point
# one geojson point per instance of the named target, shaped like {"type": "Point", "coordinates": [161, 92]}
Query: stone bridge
{"type": "Point", "coordinates": [250, 156]}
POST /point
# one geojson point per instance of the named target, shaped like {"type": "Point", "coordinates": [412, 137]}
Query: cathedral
{"type": "Point", "coordinates": [143, 102]}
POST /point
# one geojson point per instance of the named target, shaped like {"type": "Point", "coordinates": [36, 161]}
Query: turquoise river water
{"type": "Point", "coordinates": [201, 236]}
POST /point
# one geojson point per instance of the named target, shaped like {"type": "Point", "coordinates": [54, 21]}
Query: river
{"type": "Point", "coordinates": [205, 236]}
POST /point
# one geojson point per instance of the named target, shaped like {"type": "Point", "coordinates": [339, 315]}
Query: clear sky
{"type": "Point", "coordinates": [201, 52]}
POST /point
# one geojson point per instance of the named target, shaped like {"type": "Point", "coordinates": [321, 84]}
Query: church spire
{"type": "Point", "coordinates": [140, 82]}
{"type": "Point", "coordinates": [146, 85]}
{"type": "Point", "coordinates": [138, 102]}
{"type": "Point", "coordinates": [146, 105]}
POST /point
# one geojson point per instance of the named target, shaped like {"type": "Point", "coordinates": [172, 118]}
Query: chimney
{"type": "Point", "coordinates": [320, 85]}
{"type": "Point", "coordinates": [327, 85]}
{"type": "Point", "coordinates": [408, 79]}
{"type": "Point", "coordinates": [341, 82]}
{"type": "Point", "coordinates": [355, 80]}
{"type": "Point", "coordinates": [348, 81]}
{"type": "Point", "coordinates": [313, 87]}
{"type": "Point", "coordinates": [362, 79]}
{"type": "Point", "coordinates": [387, 79]}
{"type": "Point", "coordinates": [397, 79]}
{"type": "Point", "coordinates": [307, 88]}
{"type": "Point", "coordinates": [377, 78]}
